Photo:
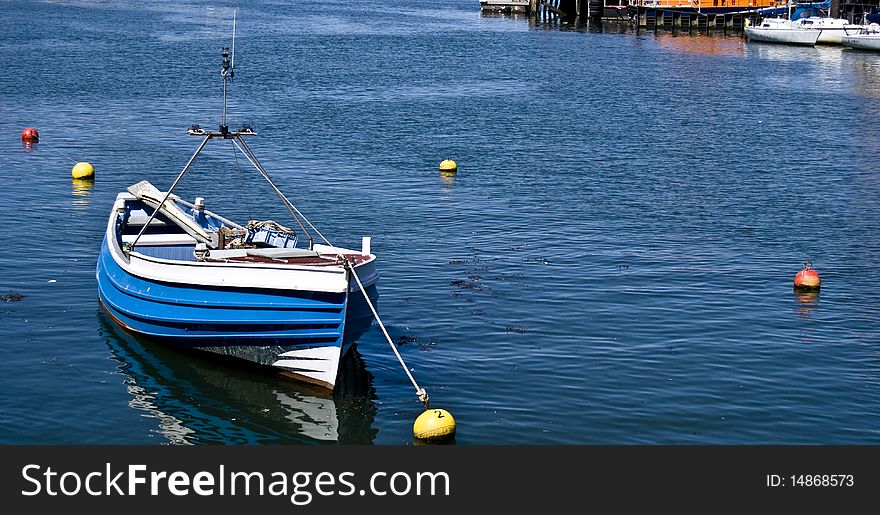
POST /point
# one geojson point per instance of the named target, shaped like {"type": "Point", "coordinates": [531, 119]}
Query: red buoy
{"type": "Point", "coordinates": [30, 135]}
{"type": "Point", "coordinates": [807, 279]}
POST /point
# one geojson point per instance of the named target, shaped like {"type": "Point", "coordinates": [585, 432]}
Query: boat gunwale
{"type": "Point", "coordinates": [133, 263]}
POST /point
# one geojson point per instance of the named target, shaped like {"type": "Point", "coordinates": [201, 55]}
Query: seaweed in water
{"type": "Point", "coordinates": [403, 340]}
{"type": "Point", "coordinates": [12, 297]}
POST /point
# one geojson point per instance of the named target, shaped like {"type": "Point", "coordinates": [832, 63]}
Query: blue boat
{"type": "Point", "coordinates": [173, 270]}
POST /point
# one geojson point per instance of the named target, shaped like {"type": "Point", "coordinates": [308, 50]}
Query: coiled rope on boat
{"type": "Point", "coordinates": [420, 392]}
{"type": "Point", "coordinates": [271, 225]}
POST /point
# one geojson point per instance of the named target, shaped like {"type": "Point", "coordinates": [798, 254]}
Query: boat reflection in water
{"type": "Point", "coordinates": [198, 398]}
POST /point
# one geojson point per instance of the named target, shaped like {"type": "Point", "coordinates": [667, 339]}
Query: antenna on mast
{"type": "Point", "coordinates": [228, 72]}
{"type": "Point", "coordinates": [232, 66]}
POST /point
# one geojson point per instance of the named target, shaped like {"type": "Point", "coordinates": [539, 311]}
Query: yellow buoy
{"type": "Point", "coordinates": [434, 425]}
{"type": "Point", "coordinates": [82, 171]}
{"type": "Point", "coordinates": [448, 166]}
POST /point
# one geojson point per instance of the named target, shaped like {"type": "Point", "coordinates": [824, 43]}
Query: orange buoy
{"type": "Point", "coordinates": [30, 135]}
{"type": "Point", "coordinates": [807, 279]}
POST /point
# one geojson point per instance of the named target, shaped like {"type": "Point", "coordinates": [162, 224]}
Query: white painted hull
{"type": "Point", "coordinates": [504, 6]}
{"type": "Point", "coordinates": [784, 36]}
{"type": "Point", "coordinates": [863, 42]}
{"type": "Point", "coordinates": [503, 3]}
{"type": "Point", "coordinates": [329, 279]}
{"type": "Point", "coordinates": [831, 30]}
{"type": "Point", "coordinates": [834, 36]}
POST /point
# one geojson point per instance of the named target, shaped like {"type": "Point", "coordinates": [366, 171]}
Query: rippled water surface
{"type": "Point", "coordinates": [612, 263]}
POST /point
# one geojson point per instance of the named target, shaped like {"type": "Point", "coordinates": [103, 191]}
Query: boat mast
{"type": "Point", "coordinates": [228, 72]}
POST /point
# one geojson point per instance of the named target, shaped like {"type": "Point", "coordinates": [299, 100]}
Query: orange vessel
{"type": "Point", "coordinates": [708, 6]}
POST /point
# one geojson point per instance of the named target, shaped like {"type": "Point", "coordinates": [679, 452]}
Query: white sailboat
{"type": "Point", "coordinates": [867, 39]}
{"type": "Point", "coordinates": [780, 30]}
{"type": "Point", "coordinates": [831, 30]}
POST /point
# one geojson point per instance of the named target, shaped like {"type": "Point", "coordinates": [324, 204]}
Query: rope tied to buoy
{"type": "Point", "coordinates": [420, 392]}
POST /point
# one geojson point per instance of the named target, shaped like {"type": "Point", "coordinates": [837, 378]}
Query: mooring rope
{"type": "Point", "coordinates": [72, 160]}
{"type": "Point", "coordinates": [420, 392]}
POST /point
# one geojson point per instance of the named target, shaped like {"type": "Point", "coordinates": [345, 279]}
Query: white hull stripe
{"type": "Point", "coordinates": [319, 363]}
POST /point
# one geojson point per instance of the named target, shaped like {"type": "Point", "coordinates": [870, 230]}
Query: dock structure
{"type": "Point", "coordinates": [645, 14]}
{"type": "Point", "coordinates": [853, 10]}
{"type": "Point", "coordinates": [725, 16]}
{"type": "Point", "coordinates": [651, 17]}
{"type": "Point", "coordinates": [578, 10]}
{"type": "Point", "coordinates": [638, 13]}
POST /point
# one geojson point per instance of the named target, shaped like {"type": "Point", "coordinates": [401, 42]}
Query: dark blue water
{"type": "Point", "coordinates": [613, 262]}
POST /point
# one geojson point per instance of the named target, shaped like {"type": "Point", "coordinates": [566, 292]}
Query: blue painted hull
{"type": "Point", "coordinates": [259, 325]}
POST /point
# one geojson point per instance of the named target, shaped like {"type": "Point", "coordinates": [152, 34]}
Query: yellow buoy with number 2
{"type": "Point", "coordinates": [434, 425]}
{"type": "Point", "coordinates": [82, 171]}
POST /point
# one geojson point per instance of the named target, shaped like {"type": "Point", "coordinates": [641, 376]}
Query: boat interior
{"type": "Point", "coordinates": [184, 231]}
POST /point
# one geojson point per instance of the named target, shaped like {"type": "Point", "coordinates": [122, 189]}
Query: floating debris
{"type": "Point", "coordinates": [466, 283]}
{"type": "Point", "coordinates": [403, 340]}
{"type": "Point", "coordinates": [12, 297]}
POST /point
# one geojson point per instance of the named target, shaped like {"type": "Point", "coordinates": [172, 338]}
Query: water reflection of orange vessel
{"type": "Point", "coordinates": [708, 6]}
{"type": "Point", "coordinates": [711, 45]}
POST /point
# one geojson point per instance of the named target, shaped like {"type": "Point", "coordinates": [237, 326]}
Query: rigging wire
{"type": "Point", "coordinates": [289, 203]}
{"type": "Point", "coordinates": [244, 197]}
